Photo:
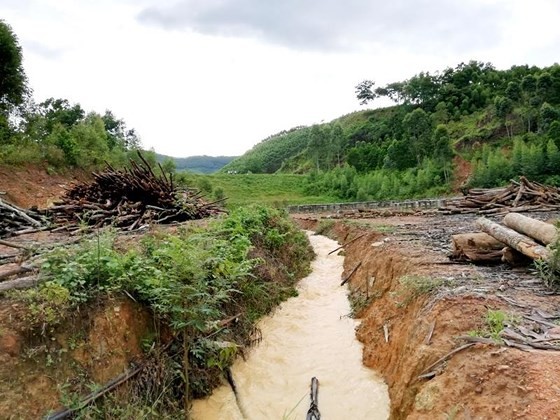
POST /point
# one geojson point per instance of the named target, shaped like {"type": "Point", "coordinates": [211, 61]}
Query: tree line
{"type": "Point", "coordinates": [471, 112]}
{"type": "Point", "coordinates": [54, 131]}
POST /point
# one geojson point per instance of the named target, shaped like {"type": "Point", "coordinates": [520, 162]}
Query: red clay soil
{"type": "Point", "coordinates": [33, 186]}
{"type": "Point", "coordinates": [37, 371]}
{"type": "Point", "coordinates": [461, 173]}
{"type": "Point", "coordinates": [481, 382]}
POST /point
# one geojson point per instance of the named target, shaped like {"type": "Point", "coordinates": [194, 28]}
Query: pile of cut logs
{"type": "Point", "coordinates": [522, 239]}
{"type": "Point", "coordinates": [129, 199]}
{"type": "Point", "coordinates": [522, 196]}
{"type": "Point", "coordinates": [17, 221]}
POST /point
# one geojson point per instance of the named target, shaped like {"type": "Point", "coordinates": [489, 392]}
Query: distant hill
{"type": "Point", "coordinates": [468, 126]}
{"type": "Point", "coordinates": [200, 164]}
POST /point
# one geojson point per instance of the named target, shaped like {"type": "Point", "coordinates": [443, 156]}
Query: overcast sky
{"type": "Point", "coordinates": [217, 76]}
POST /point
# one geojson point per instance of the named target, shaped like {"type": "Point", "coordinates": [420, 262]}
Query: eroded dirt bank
{"type": "Point", "coordinates": [38, 371]}
{"type": "Point", "coordinates": [34, 186]}
{"type": "Point", "coordinates": [414, 307]}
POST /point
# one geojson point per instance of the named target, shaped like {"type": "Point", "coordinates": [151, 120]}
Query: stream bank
{"type": "Point", "coordinates": [414, 306]}
{"type": "Point", "coordinates": [309, 335]}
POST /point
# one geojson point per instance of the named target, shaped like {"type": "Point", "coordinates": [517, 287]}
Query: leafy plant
{"type": "Point", "coordinates": [45, 306]}
{"type": "Point", "coordinates": [324, 226]}
{"type": "Point", "coordinates": [495, 321]}
{"type": "Point", "coordinates": [192, 280]}
{"type": "Point", "coordinates": [549, 270]}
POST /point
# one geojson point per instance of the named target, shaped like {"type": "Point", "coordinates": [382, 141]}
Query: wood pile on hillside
{"type": "Point", "coordinates": [522, 196]}
{"type": "Point", "coordinates": [129, 199]}
{"type": "Point", "coordinates": [16, 221]}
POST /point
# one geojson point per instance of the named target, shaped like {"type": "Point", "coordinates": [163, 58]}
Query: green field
{"type": "Point", "coordinates": [276, 190]}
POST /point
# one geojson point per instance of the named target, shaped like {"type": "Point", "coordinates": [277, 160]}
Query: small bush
{"type": "Point", "coordinates": [45, 306]}
{"type": "Point", "coordinates": [549, 270]}
{"type": "Point", "coordinates": [324, 226]}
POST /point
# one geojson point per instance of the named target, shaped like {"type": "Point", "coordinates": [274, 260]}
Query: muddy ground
{"type": "Point", "coordinates": [408, 332]}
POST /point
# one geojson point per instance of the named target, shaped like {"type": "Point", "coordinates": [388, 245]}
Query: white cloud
{"type": "Point", "coordinates": [219, 80]}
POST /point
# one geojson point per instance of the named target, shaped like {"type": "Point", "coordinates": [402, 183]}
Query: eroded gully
{"type": "Point", "coordinates": [309, 335]}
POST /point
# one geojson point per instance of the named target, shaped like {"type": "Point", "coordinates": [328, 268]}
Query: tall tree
{"type": "Point", "coordinates": [13, 82]}
{"type": "Point", "coordinates": [418, 129]}
{"type": "Point", "coordinates": [364, 92]}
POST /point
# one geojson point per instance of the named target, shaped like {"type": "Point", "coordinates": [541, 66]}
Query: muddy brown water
{"type": "Point", "coordinates": [309, 335]}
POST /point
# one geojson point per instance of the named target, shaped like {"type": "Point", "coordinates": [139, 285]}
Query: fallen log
{"type": "Point", "coordinates": [68, 412]}
{"type": "Point", "coordinates": [21, 283]}
{"type": "Point", "coordinates": [516, 240]}
{"type": "Point", "coordinates": [476, 247]}
{"type": "Point", "coordinates": [514, 258]}
{"type": "Point", "coordinates": [541, 231]}
{"type": "Point", "coordinates": [13, 245]}
{"type": "Point", "coordinates": [15, 271]}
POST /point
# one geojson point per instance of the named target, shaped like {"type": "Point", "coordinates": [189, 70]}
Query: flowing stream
{"type": "Point", "coordinates": [309, 335]}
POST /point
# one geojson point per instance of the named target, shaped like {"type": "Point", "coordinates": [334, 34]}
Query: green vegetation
{"type": "Point", "coordinates": [324, 226]}
{"type": "Point", "coordinates": [415, 286]}
{"type": "Point", "coordinates": [243, 265]}
{"type": "Point", "coordinates": [269, 155]}
{"type": "Point", "coordinates": [277, 190]}
{"type": "Point", "coordinates": [549, 270]}
{"type": "Point", "coordinates": [495, 321]}
{"type": "Point", "coordinates": [197, 164]}
{"type": "Point", "coordinates": [505, 122]}
{"type": "Point", "coordinates": [53, 132]}
{"type": "Point", "coordinates": [13, 81]}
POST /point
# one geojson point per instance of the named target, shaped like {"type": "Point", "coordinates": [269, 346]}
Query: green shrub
{"type": "Point", "coordinates": [246, 263]}
{"type": "Point", "coordinates": [45, 306]}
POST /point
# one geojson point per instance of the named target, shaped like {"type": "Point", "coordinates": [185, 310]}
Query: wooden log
{"type": "Point", "coordinates": [541, 231]}
{"type": "Point", "coordinates": [510, 237]}
{"type": "Point", "coordinates": [21, 283]}
{"type": "Point", "coordinates": [344, 281]}
{"type": "Point", "coordinates": [15, 271]}
{"type": "Point", "coordinates": [476, 247]}
{"type": "Point", "coordinates": [13, 245]}
{"type": "Point", "coordinates": [514, 258]}
{"type": "Point", "coordinates": [20, 213]}
{"type": "Point", "coordinates": [347, 243]}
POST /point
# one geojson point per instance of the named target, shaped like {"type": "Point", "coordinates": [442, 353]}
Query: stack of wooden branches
{"type": "Point", "coordinates": [519, 196]}
{"type": "Point", "coordinates": [129, 199]}
{"type": "Point", "coordinates": [16, 221]}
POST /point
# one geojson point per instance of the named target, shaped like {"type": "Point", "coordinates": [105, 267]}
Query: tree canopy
{"type": "Point", "coordinates": [13, 81]}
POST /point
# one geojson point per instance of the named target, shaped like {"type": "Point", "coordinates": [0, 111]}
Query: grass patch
{"type": "Point", "coordinates": [276, 190]}
{"type": "Point", "coordinates": [415, 286]}
{"type": "Point", "coordinates": [324, 226]}
{"type": "Point", "coordinates": [495, 320]}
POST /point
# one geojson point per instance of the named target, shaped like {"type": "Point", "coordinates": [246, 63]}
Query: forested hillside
{"type": "Point", "coordinates": [199, 164]}
{"type": "Point", "coordinates": [503, 123]}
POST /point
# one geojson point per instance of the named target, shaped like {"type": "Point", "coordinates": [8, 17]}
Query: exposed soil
{"type": "Point", "coordinates": [38, 371]}
{"type": "Point", "coordinates": [33, 186]}
{"type": "Point", "coordinates": [481, 382]}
